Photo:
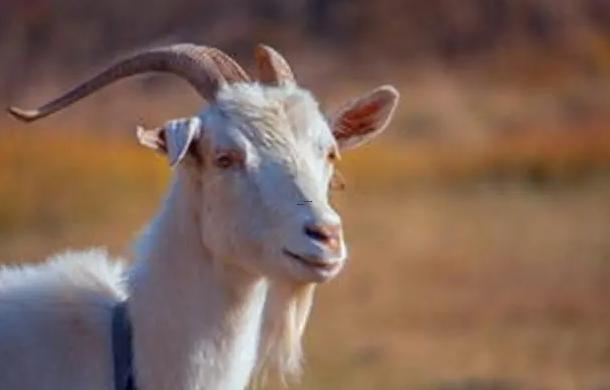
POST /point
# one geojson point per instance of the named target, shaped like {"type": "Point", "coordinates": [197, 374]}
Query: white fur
{"type": "Point", "coordinates": [212, 296]}
{"type": "Point", "coordinates": [54, 322]}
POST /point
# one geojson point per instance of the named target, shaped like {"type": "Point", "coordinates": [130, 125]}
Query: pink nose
{"type": "Point", "coordinates": [330, 235]}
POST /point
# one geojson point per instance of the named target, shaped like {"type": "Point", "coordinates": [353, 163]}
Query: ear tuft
{"type": "Point", "coordinates": [365, 118]}
{"type": "Point", "coordinates": [152, 138]}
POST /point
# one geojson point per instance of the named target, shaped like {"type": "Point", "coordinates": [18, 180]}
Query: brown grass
{"type": "Point", "coordinates": [56, 190]}
{"type": "Point", "coordinates": [459, 277]}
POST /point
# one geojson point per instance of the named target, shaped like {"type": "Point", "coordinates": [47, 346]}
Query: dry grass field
{"type": "Point", "coordinates": [485, 271]}
{"type": "Point", "coordinates": [478, 226]}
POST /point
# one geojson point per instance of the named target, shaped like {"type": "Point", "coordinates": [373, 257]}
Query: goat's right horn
{"type": "Point", "coordinates": [205, 68]}
{"type": "Point", "coordinates": [273, 69]}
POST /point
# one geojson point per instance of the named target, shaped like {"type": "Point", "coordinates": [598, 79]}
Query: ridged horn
{"type": "Point", "coordinates": [273, 69]}
{"type": "Point", "coordinates": [205, 68]}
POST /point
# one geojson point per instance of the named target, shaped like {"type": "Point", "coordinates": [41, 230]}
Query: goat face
{"type": "Point", "coordinates": [267, 168]}
{"type": "Point", "coordinates": [263, 159]}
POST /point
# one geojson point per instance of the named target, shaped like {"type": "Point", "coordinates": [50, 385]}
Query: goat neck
{"type": "Point", "coordinates": [196, 320]}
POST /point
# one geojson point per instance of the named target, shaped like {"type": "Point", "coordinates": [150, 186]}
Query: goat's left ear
{"type": "Point", "coordinates": [365, 118]}
{"type": "Point", "coordinates": [173, 139]}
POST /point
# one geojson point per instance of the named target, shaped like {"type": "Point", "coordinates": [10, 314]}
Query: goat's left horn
{"type": "Point", "coordinates": [205, 68]}
{"type": "Point", "coordinates": [272, 67]}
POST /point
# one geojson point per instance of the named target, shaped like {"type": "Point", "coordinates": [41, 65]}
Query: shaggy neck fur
{"type": "Point", "coordinates": [200, 323]}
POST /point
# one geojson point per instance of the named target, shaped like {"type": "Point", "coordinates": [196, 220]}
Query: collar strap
{"type": "Point", "coordinates": [122, 349]}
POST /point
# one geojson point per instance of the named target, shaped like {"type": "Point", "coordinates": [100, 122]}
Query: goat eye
{"type": "Point", "coordinates": [224, 161]}
{"type": "Point", "coordinates": [332, 156]}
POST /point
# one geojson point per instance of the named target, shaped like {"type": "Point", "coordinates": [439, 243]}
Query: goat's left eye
{"type": "Point", "coordinates": [332, 156]}
{"type": "Point", "coordinates": [224, 161]}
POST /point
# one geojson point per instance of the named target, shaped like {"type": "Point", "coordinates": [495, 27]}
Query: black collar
{"type": "Point", "coordinates": [122, 349]}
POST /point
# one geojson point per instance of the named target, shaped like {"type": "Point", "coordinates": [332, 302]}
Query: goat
{"type": "Point", "coordinates": [224, 276]}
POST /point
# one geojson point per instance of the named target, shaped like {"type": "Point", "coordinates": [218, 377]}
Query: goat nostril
{"type": "Point", "coordinates": [316, 233]}
{"type": "Point", "coordinates": [322, 233]}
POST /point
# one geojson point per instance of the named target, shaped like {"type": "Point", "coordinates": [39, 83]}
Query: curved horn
{"type": "Point", "coordinates": [205, 68]}
{"type": "Point", "coordinates": [272, 67]}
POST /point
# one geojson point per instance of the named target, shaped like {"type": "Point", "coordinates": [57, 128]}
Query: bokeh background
{"type": "Point", "coordinates": [479, 225]}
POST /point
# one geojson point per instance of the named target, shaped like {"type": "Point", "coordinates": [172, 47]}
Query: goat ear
{"type": "Point", "coordinates": [366, 117]}
{"type": "Point", "coordinates": [173, 139]}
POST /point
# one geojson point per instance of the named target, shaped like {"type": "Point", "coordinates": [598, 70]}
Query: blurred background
{"type": "Point", "coordinates": [479, 225]}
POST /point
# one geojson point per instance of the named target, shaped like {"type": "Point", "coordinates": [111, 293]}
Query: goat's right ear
{"type": "Point", "coordinates": [364, 118]}
{"type": "Point", "coordinates": [173, 139]}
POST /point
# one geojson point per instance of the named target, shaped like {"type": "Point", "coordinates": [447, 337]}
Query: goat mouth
{"type": "Point", "coordinates": [311, 262]}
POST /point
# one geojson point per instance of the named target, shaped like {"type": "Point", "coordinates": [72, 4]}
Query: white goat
{"type": "Point", "coordinates": [223, 279]}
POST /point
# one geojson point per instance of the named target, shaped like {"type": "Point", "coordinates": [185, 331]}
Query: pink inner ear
{"type": "Point", "coordinates": [358, 121]}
